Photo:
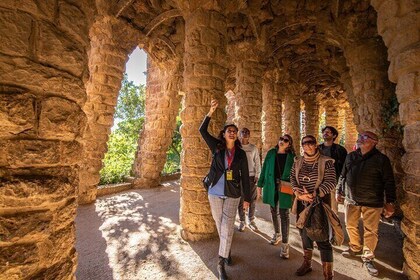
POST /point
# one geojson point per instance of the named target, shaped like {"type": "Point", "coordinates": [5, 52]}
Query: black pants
{"type": "Point", "coordinates": [251, 209]}
{"type": "Point", "coordinates": [282, 215]}
{"type": "Point", "coordinates": [324, 247]}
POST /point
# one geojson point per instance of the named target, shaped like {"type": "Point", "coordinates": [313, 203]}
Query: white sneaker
{"type": "Point", "coordinates": [284, 251]}
{"type": "Point", "coordinates": [241, 226]}
{"type": "Point", "coordinates": [276, 239]}
{"type": "Point", "coordinates": [253, 225]}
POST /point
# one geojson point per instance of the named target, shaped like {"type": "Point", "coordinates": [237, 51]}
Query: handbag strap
{"type": "Point", "coordinates": [278, 166]}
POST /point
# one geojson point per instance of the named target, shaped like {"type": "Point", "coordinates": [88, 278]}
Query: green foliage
{"type": "Point", "coordinates": [173, 156]}
{"type": "Point", "coordinates": [390, 115]}
{"type": "Point", "coordinates": [122, 143]}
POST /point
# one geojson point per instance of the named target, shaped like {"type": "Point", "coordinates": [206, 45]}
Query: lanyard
{"type": "Point", "coordinates": [230, 156]}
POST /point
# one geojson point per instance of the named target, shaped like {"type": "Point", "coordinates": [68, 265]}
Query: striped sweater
{"type": "Point", "coordinates": [308, 177]}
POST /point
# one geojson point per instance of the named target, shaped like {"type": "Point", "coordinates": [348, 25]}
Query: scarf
{"type": "Point", "coordinates": [312, 158]}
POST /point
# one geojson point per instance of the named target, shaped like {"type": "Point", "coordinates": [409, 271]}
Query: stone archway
{"type": "Point", "coordinates": [59, 84]}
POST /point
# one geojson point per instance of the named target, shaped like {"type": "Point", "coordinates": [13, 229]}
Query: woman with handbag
{"type": "Point", "coordinates": [228, 174]}
{"type": "Point", "coordinates": [275, 178]}
{"type": "Point", "coordinates": [313, 176]}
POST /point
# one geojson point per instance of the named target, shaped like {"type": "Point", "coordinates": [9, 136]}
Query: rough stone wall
{"type": "Point", "coordinates": [43, 68]}
{"type": "Point", "coordinates": [248, 98]}
{"type": "Point", "coordinates": [162, 108]}
{"type": "Point", "coordinates": [350, 130]}
{"type": "Point", "coordinates": [311, 115]}
{"type": "Point", "coordinates": [398, 23]}
{"type": "Point", "coordinates": [331, 113]}
{"type": "Point", "coordinates": [107, 59]}
{"type": "Point", "coordinates": [292, 114]}
{"type": "Point", "coordinates": [204, 75]}
{"type": "Point", "coordinates": [230, 107]}
{"type": "Point", "coordinates": [271, 114]}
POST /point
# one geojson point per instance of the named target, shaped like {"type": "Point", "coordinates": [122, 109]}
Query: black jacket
{"type": "Point", "coordinates": [239, 166]}
{"type": "Point", "coordinates": [367, 180]}
{"type": "Point", "coordinates": [338, 153]}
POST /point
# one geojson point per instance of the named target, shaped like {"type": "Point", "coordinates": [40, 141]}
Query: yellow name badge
{"type": "Point", "coordinates": [229, 175]}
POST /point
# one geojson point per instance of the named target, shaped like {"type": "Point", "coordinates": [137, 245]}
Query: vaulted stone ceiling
{"type": "Point", "coordinates": [301, 39]}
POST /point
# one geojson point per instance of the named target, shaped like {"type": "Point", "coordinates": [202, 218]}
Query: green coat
{"type": "Point", "coordinates": [267, 180]}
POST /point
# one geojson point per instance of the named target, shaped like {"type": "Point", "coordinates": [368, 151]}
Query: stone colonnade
{"type": "Point", "coordinates": [162, 107]}
{"type": "Point", "coordinates": [204, 76]}
{"type": "Point", "coordinates": [291, 97]}
{"type": "Point", "coordinates": [271, 113]}
{"type": "Point", "coordinates": [397, 24]}
{"type": "Point", "coordinates": [42, 122]}
{"type": "Point", "coordinates": [248, 98]}
{"type": "Point", "coordinates": [107, 60]}
{"type": "Point", "coordinates": [311, 115]}
{"type": "Point", "coordinates": [351, 130]}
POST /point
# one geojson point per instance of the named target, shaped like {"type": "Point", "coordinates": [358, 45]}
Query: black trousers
{"type": "Point", "coordinates": [282, 215]}
{"type": "Point", "coordinates": [324, 247]}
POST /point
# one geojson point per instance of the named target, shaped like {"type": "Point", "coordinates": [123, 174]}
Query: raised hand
{"type": "Point", "coordinates": [213, 106]}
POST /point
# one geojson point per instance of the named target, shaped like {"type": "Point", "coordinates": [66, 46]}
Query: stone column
{"type": "Point", "coordinates": [292, 114]}
{"type": "Point", "coordinates": [331, 113]}
{"type": "Point", "coordinates": [312, 115]}
{"type": "Point", "coordinates": [397, 22]}
{"type": "Point", "coordinates": [107, 59]}
{"type": "Point", "coordinates": [350, 130]}
{"type": "Point", "coordinates": [43, 62]}
{"type": "Point", "coordinates": [162, 107]}
{"type": "Point", "coordinates": [204, 75]}
{"type": "Point", "coordinates": [271, 114]}
{"type": "Point", "coordinates": [230, 107]}
{"type": "Point", "coordinates": [248, 98]}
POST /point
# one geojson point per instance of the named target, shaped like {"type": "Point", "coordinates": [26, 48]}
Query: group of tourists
{"type": "Point", "coordinates": [310, 187]}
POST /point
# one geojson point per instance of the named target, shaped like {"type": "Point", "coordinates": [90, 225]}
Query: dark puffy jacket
{"type": "Point", "coordinates": [239, 166]}
{"type": "Point", "coordinates": [338, 153]}
{"type": "Point", "coordinates": [367, 180]}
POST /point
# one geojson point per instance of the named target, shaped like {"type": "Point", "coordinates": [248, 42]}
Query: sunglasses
{"type": "Point", "coordinates": [284, 139]}
{"type": "Point", "coordinates": [365, 137]}
{"type": "Point", "coordinates": [310, 142]}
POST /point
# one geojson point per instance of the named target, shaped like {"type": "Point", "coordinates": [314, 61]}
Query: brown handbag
{"type": "Point", "coordinates": [283, 186]}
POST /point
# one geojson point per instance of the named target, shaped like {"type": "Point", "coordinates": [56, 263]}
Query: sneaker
{"type": "Point", "coordinates": [371, 268]}
{"type": "Point", "coordinates": [351, 254]}
{"type": "Point", "coordinates": [284, 251]}
{"type": "Point", "coordinates": [241, 226]}
{"type": "Point", "coordinates": [253, 225]}
{"type": "Point", "coordinates": [276, 239]}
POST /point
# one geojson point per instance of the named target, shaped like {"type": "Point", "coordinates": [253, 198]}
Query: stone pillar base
{"type": "Point", "coordinates": [189, 236]}
{"type": "Point", "coordinates": [87, 197]}
{"type": "Point", "coordinates": [409, 272]}
{"type": "Point", "coordinates": [144, 183]}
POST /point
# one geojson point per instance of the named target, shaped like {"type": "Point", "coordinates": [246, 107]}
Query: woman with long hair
{"type": "Point", "coordinates": [228, 174]}
{"type": "Point", "coordinates": [313, 175]}
{"type": "Point", "coordinates": [276, 173]}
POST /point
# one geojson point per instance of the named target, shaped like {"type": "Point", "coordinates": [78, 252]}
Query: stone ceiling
{"type": "Point", "coordinates": [301, 39]}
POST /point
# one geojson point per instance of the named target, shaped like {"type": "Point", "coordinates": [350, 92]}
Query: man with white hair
{"type": "Point", "coordinates": [367, 188]}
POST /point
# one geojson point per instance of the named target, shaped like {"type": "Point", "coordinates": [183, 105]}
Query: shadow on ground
{"type": "Point", "coordinates": [135, 235]}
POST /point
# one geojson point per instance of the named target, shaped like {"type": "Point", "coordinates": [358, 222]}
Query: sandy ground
{"type": "Point", "coordinates": [135, 235]}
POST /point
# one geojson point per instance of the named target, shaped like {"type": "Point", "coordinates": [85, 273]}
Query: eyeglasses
{"type": "Point", "coordinates": [284, 139]}
{"type": "Point", "coordinates": [309, 143]}
{"type": "Point", "coordinates": [365, 137]}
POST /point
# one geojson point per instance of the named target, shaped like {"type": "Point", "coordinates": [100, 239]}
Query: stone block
{"type": "Point", "coordinates": [17, 114]}
{"type": "Point", "coordinates": [55, 49]}
{"type": "Point", "coordinates": [407, 61]}
{"type": "Point", "coordinates": [411, 254]}
{"type": "Point", "coordinates": [198, 19]}
{"type": "Point", "coordinates": [412, 184]}
{"type": "Point", "coordinates": [406, 89]}
{"type": "Point", "coordinates": [202, 69]}
{"type": "Point", "coordinates": [25, 224]}
{"type": "Point", "coordinates": [19, 254]}
{"type": "Point", "coordinates": [71, 153]}
{"type": "Point", "coordinates": [210, 37]}
{"type": "Point", "coordinates": [60, 270]}
{"type": "Point", "coordinates": [410, 112]}
{"type": "Point", "coordinates": [23, 190]}
{"type": "Point", "coordinates": [198, 208]}
{"type": "Point", "coordinates": [39, 78]}
{"type": "Point", "coordinates": [411, 230]}
{"type": "Point", "coordinates": [411, 140]}
{"type": "Point", "coordinates": [30, 153]}
{"type": "Point", "coordinates": [60, 119]}
{"type": "Point", "coordinates": [15, 33]}
{"type": "Point", "coordinates": [73, 21]}
{"type": "Point", "coordinates": [410, 207]}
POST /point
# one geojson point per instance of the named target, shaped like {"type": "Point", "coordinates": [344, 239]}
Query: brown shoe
{"type": "Point", "coordinates": [327, 269]}
{"type": "Point", "coordinates": [306, 265]}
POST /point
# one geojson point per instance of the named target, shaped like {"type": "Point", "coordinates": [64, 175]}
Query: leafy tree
{"type": "Point", "coordinates": [173, 156]}
{"type": "Point", "coordinates": [122, 143]}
